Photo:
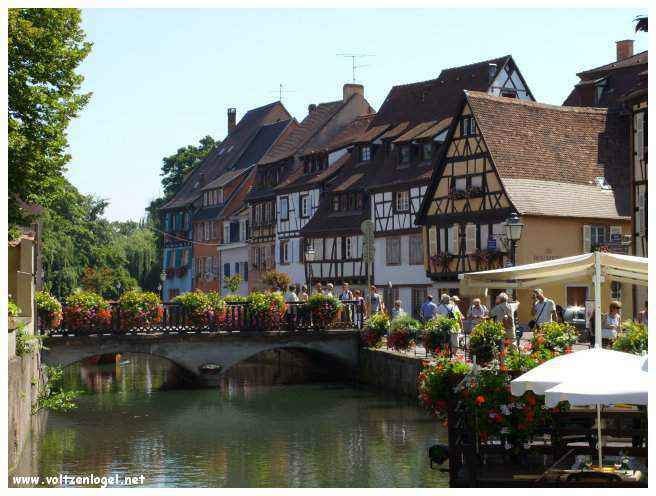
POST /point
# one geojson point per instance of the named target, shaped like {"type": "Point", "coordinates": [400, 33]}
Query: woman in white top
{"type": "Point", "coordinates": [614, 319]}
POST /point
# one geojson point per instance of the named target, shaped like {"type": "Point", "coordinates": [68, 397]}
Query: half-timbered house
{"type": "Point", "coordinates": [559, 168]}
{"type": "Point", "coordinates": [277, 214]}
{"type": "Point", "coordinates": [621, 86]}
{"type": "Point", "coordinates": [244, 145]}
{"type": "Point", "coordinates": [417, 117]}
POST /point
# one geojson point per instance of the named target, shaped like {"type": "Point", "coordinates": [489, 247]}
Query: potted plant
{"type": "Point", "coordinates": [438, 331]}
{"type": "Point", "coordinates": [374, 329]}
{"type": "Point", "coordinates": [196, 308]}
{"type": "Point", "coordinates": [49, 309]}
{"type": "Point", "coordinates": [555, 337]}
{"type": "Point", "coordinates": [324, 309]}
{"type": "Point", "coordinates": [139, 309]}
{"type": "Point", "coordinates": [403, 332]}
{"type": "Point", "coordinates": [632, 338]}
{"type": "Point", "coordinates": [436, 382]}
{"type": "Point", "coordinates": [265, 309]}
{"type": "Point", "coordinates": [485, 339]}
{"type": "Point", "coordinates": [217, 308]}
{"type": "Point", "coordinates": [86, 311]}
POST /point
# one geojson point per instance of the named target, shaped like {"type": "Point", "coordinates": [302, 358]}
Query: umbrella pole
{"type": "Point", "coordinates": [597, 298]}
{"type": "Point", "coordinates": [599, 434]}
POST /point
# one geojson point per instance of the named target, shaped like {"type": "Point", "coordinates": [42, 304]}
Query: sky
{"type": "Point", "coordinates": [163, 79]}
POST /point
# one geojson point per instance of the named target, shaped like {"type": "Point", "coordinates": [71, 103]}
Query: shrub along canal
{"type": "Point", "coordinates": [273, 423]}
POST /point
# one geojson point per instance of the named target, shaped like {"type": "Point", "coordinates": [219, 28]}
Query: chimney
{"type": "Point", "coordinates": [311, 108]}
{"type": "Point", "coordinates": [352, 89]}
{"type": "Point", "coordinates": [624, 49]}
{"type": "Point", "coordinates": [232, 119]}
{"type": "Point", "coordinates": [491, 72]}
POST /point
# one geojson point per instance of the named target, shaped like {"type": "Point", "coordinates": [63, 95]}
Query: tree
{"type": "Point", "coordinates": [232, 283]}
{"type": "Point", "coordinates": [177, 166]}
{"type": "Point", "coordinates": [276, 280]}
{"type": "Point", "coordinates": [45, 47]}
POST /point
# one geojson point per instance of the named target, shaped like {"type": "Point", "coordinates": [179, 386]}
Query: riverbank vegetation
{"type": "Point", "coordinates": [52, 395]}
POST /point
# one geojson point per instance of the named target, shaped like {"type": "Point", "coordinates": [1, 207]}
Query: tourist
{"type": "Point", "coordinates": [428, 309]}
{"type": "Point", "coordinates": [346, 293]}
{"type": "Point", "coordinates": [503, 313]}
{"type": "Point", "coordinates": [397, 311]}
{"type": "Point", "coordinates": [642, 315]}
{"type": "Point", "coordinates": [329, 289]}
{"type": "Point", "coordinates": [345, 296]}
{"type": "Point", "coordinates": [376, 301]}
{"type": "Point", "coordinates": [304, 294]}
{"type": "Point", "coordinates": [476, 314]}
{"type": "Point", "coordinates": [445, 307]}
{"type": "Point", "coordinates": [614, 319]}
{"type": "Point", "coordinates": [359, 313]}
{"type": "Point", "coordinates": [543, 311]}
{"type": "Point", "coordinates": [290, 295]}
{"type": "Point", "coordinates": [455, 305]}
{"type": "Point", "coordinates": [318, 288]}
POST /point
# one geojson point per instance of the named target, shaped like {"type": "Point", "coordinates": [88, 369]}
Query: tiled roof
{"type": "Point", "coordinates": [224, 179]}
{"type": "Point", "coordinates": [415, 131]}
{"type": "Point", "coordinates": [351, 133]}
{"type": "Point", "coordinates": [298, 181]}
{"type": "Point", "coordinates": [395, 131]}
{"type": "Point", "coordinates": [438, 98]}
{"type": "Point", "coordinates": [247, 139]}
{"type": "Point", "coordinates": [314, 121]}
{"type": "Point", "coordinates": [572, 145]}
{"type": "Point", "coordinates": [637, 59]}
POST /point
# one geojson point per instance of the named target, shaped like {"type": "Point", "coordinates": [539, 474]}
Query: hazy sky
{"type": "Point", "coordinates": [163, 79]}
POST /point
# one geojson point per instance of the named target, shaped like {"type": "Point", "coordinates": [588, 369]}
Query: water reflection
{"type": "Point", "coordinates": [243, 435]}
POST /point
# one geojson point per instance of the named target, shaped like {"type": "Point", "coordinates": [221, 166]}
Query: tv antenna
{"type": "Point", "coordinates": [281, 91]}
{"type": "Point", "coordinates": [354, 57]}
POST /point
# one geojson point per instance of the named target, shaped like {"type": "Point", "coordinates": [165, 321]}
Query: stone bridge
{"type": "Point", "coordinates": [206, 356]}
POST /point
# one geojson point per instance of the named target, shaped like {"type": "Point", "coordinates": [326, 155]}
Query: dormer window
{"type": "Point", "coordinates": [509, 93]}
{"type": "Point", "coordinates": [404, 154]}
{"type": "Point", "coordinates": [599, 90]}
{"type": "Point", "coordinates": [365, 153]}
{"type": "Point", "coordinates": [468, 126]}
{"type": "Point", "coordinates": [402, 201]}
{"type": "Point", "coordinates": [427, 151]}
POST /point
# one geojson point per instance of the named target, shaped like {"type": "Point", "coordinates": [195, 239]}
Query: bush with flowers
{"type": "Point", "coordinates": [374, 329]}
{"type": "Point", "coordinates": [436, 382]}
{"type": "Point", "coordinates": [86, 311]}
{"type": "Point", "coordinates": [403, 332]}
{"type": "Point", "coordinates": [437, 332]}
{"type": "Point", "coordinates": [324, 309]}
{"type": "Point", "coordinates": [485, 339]}
{"type": "Point", "coordinates": [632, 338]}
{"type": "Point", "coordinates": [196, 307]}
{"type": "Point", "coordinates": [555, 337]}
{"type": "Point", "coordinates": [139, 309]}
{"type": "Point", "coordinates": [49, 308]}
{"type": "Point", "coordinates": [266, 309]}
{"type": "Point", "coordinates": [217, 307]}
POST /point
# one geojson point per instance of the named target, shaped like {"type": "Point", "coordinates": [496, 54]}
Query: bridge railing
{"type": "Point", "coordinates": [235, 318]}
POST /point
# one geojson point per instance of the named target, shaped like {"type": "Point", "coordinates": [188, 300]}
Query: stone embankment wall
{"type": "Point", "coordinates": [390, 371]}
{"type": "Point", "coordinates": [24, 380]}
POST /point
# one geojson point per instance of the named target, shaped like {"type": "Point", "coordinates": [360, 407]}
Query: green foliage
{"type": "Point", "coordinates": [217, 304]}
{"type": "Point", "coordinates": [437, 332]}
{"type": "Point", "coordinates": [52, 396]}
{"type": "Point", "coordinates": [13, 309]}
{"type": "Point", "coordinates": [555, 337]}
{"type": "Point", "coordinates": [378, 322]}
{"type": "Point", "coordinates": [265, 302]}
{"type": "Point", "coordinates": [45, 47]}
{"type": "Point", "coordinates": [406, 323]}
{"type": "Point", "coordinates": [193, 301]}
{"type": "Point", "coordinates": [106, 281]}
{"type": "Point", "coordinates": [235, 299]}
{"type": "Point", "coordinates": [232, 283]}
{"type": "Point", "coordinates": [485, 339]}
{"type": "Point", "coordinates": [46, 302]}
{"type": "Point", "coordinates": [276, 280]}
{"type": "Point", "coordinates": [324, 309]}
{"type": "Point", "coordinates": [26, 343]}
{"type": "Point", "coordinates": [632, 339]}
{"type": "Point", "coordinates": [86, 301]}
{"type": "Point", "coordinates": [435, 384]}
{"type": "Point", "coordinates": [179, 165]}
{"type": "Point", "coordinates": [139, 308]}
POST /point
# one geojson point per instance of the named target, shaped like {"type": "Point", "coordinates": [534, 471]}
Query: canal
{"type": "Point", "coordinates": [260, 429]}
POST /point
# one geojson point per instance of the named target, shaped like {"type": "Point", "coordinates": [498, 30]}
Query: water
{"type": "Point", "coordinates": [244, 435]}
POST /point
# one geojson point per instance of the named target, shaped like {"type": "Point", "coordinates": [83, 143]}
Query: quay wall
{"type": "Point", "coordinates": [389, 371]}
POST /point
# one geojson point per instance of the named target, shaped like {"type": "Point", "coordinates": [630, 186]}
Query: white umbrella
{"type": "Point", "coordinates": [594, 376]}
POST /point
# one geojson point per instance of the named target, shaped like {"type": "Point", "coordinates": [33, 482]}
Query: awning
{"type": "Point", "coordinates": [623, 268]}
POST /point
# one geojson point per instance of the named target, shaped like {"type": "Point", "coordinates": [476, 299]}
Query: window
{"type": "Point", "coordinates": [365, 153]}
{"type": "Point", "coordinates": [402, 203]}
{"type": "Point", "coordinates": [226, 270]}
{"type": "Point", "coordinates": [427, 151]}
{"type": "Point", "coordinates": [477, 181]}
{"type": "Point", "coordinates": [347, 252]}
{"type": "Point", "coordinates": [616, 290]}
{"type": "Point", "coordinates": [185, 257]}
{"type": "Point", "coordinates": [393, 251]}
{"type": "Point", "coordinates": [509, 93]}
{"type": "Point", "coordinates": [234, 231]}
{"type": "Point", "coordinates": [226, 233]}
{"type": "Point", "coordinates": [207, 230]}
{"type": "Point", "coordinates": [468, 126]}
{"type": "Point", "coordinates": [305, 206]}
{"type": "Point", "coordinates": [597, 235]}
{"type": "Point", "coordinates": [415, 249]}
{"type": "Point", "coordinates": [418, 298]}
{"type": "Point", "coordinates": [284, 208]}
{"type": "Point", "coordinates": [405, 154]}
{"type": "Point", "coordinates": [284, 252]}
{"type": "Point", "coordinates": [219, 195]}
{"type": "Point", "coordinates": [460, 184]}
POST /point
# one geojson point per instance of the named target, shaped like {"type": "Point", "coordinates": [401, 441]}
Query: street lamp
{"type": "Point", "coordinates": [160, 287]}
{"type": "Point", "coordinates": [514, 229]}
{"type": "Point", "coordinates": [118, 288]}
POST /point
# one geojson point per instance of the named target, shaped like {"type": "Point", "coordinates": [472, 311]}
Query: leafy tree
{"type": "Point", "coordinates": [232, 283]}
{"type": "Point", "coordinates": [276, 280]}
{"type": "Point", "coordinates": [177, 166]}
{"type": "Point", "coordinates": [45, 47]}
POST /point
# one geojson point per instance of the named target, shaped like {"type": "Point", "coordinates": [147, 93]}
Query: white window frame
{"type": "Point", "coordinates": [365, 153]}
{"type": "Point", "coordinates": [305, 205]}
{"type": "Point", "coordinates": [402, 201]}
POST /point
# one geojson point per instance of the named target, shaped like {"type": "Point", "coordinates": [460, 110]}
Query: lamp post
{"type": "Point", "coordinates": [118, 288]}
{"type": "Point", "coordinates": [514, 229]}
{"type": "Point", "coordinates": [162, 278]}
{"type": "Point", "coordinates": [309, 258]}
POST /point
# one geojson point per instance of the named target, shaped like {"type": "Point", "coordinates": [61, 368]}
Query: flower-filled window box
{"type": "Point", "coordinates": [440, 261]}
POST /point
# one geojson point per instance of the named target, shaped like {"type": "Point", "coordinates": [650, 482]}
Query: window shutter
{"type": "Point", "coordinates": [167, 258]}
{"type": "Point", "coordinates": [640, 217]}
{"type": "Point", "coordinates": [453, 239]}
{"type": "Point", "coordinates": [470, 240]}
{"type": "Point", "coordinates": [443, 247]}
{"type": "Point", "coordinates": [587, 236]}
{"type": "Point", "coordinates": [178, 257]}
{"type": "Point", "coordinates": [484, 236]}
{"type": "Point", "coordinates": [432, 240]}
{"type": "Point", "coordinates": [639, 136]}
{"type": "Point", "coordinates": [167, 222]}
